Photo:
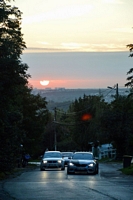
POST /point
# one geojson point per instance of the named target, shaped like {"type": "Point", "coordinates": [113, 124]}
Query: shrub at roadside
{"type": "Point", "coordinates": [128, 170]}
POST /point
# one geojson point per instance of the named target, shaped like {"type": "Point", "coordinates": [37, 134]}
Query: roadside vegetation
{"type": "Point", "coordinates": [26, 124]}
{"type": "Point", "coordinates": [22, 115]}
{"type": "Point", "coordinates": [128, 170]}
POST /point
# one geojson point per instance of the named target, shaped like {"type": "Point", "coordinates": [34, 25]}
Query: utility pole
{"type": "Point", "coordinates": [115, 88]}
{"type": "Point", "coordinates": [55, 129]}
{"type": "Point", "coordinates": [117, 93]}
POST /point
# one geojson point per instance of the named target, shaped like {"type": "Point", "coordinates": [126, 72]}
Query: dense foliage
{"type": "Point", "coordinates": [91, 119]}
{"type": "Point", "coordinates": [22, 115]}
{"type": "Point", "coordinates": [79, 126]}
{"type": "Point", "coordinates": [117, 123]}
{"type": "Point", "coordinates": [130, 72]}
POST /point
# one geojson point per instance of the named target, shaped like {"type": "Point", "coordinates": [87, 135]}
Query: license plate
{"type": "Point", "coordinates": [81, 168]}
{"type": "Point", "coordinates": [51, 165]}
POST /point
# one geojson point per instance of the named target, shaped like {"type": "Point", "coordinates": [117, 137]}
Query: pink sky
{"type": "Point", "coordinates": [93, 83]}
{"type": "Point", "coordinates": [78, 70]}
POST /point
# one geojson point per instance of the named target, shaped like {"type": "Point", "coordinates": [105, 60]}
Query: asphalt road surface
{"type": "Point", "coordinates": [109, 184]}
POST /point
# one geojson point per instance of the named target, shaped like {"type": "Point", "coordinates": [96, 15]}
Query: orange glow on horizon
{"type": "Point", "coordinates": [72, 84]}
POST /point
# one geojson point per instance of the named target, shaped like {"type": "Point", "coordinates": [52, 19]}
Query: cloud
{"type": "Point", "coordinates": [113, 1]}
{"type": "Point", "coordinates": [123, 30]}
{"type": "Point", "coordinates": [87, 47]}
{"type": "Point", "coordinates": [62, 13]}
{"type": "Point", "coordinates": [80, 47]}
{"type": "Point", "coordinates": [73, 45]}
{"type": "Point", "coordinates": [44, 43]}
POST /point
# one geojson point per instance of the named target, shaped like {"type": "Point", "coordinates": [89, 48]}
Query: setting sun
{"type": "Point", "coordinates": [44, 82]}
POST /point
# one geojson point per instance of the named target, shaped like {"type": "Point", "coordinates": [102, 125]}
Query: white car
{"type": "Point", "coordinates": [52, 159]}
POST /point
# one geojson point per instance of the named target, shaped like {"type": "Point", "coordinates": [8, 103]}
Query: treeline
{"type": "Point", "coordinates": [22, 115]}
{"type": "Point", "coordinates": [91, 119]}
{"type": "Point", "coordinates": [26, 124]}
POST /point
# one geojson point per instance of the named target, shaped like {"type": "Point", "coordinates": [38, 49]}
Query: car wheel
{"type": "Point", "coordinates": [42, 169]}
{"type": "Point", "coordinates": [94, 173]}
{"type": "Point", "coordinates": [97, 170]}
{"type": "Point", "coordinates": [69, 172]}
{"type": "Point", "coordinates": [63, 168]}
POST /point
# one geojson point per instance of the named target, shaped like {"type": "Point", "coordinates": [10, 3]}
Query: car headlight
{"type": "Point", "coordinates": [71, 164]}
{"type": "Point", "coordinates": [44, 161]}
{"type": "Point", "coordinates": [91, 165]}
{"type": "Point", "coordinates": [59, 161]}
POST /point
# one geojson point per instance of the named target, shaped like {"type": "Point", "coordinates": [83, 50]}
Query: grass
{"type": "Point", "coordinates": [108, 160]}
{"type": "Point", "coordinates": [34, 160]}
{"type": "Point", "coordinates": [17, 171]}
{"type": "Point", "coordinates": [128, 170]}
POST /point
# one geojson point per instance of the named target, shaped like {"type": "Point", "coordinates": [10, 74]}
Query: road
{"type": "Point", "coordinates": [109, 184]}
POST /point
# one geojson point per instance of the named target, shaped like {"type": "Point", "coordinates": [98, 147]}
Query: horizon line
{"type": "Point", "coordinates": [45, 50]}
{"type": "Point", "coordinates": [60, 88]}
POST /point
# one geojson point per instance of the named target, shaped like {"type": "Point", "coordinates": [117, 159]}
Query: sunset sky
{"type": "Point", "coordinates": [76, 25]}
{"type": "Point", "coordinates": [79, 25]}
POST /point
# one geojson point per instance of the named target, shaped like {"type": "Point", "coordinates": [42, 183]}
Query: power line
{"type": "Point", "coordinates": [69, 124]}
{"type": "Point", "coordinates": [108, 92]}
{"type": "Point", "coordinates": [73, 113]}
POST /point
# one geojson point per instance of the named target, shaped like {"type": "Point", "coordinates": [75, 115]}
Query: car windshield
{"type": "Point", "coordinates": [67, 154]}
{"type": "Point", "coordinates": [52, 155]}
{"type": "Point", "coordinates": [83, 156]}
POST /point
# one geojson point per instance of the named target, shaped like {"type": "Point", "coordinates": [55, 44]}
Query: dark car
{"type": "Point", "coordinates": [67, 156]}
{"type": "Point", "coordinates": [83, 162]}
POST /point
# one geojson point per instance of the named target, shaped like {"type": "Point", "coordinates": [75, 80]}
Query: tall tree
{"type": "Point", "coordinates": [87, 112]}
{"type": "Point", "coordinates": [35, 118]}
{"type": "Point", "coordinates": [117, 124]}
{"type": "Point", "coordinates": [130, 72]}
{"type": "Point", "coordinates": [13, 83]}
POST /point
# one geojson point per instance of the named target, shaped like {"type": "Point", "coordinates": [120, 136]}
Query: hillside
{"type": "Point", "coordinates": [61, 98]}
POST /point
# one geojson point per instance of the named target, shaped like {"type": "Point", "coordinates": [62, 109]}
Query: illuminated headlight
{"type": "Point", "coordinates": [44, 161]}
{"type": "Point", "coordinates": [59, 161]}
{"type": "Point", "coordinates": [91, 165]}
{"type": "Point", "coordinates": [71, 164]}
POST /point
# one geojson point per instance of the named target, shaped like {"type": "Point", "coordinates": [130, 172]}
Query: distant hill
{"type": "Point", "coordinates": [62, 98]}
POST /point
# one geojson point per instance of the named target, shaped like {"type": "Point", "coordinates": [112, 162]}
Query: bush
{"type": "Point", "coordinates": [128, 170]}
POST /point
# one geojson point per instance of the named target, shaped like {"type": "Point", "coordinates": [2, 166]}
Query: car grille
{"type": "Point", "coordinates": [80, 165]}
{"type": "Point", "coordinates": [51, 161]}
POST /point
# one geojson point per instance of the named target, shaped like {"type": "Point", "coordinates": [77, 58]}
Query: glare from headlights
{"type": "Point", "coordinates": [71, 164]}
{"type": "Point", "coordinates": [59, 161]}
{"type": "Point", "coordinates": [91, 165]}
{"type": "Point", "coordinates": [44, 161]}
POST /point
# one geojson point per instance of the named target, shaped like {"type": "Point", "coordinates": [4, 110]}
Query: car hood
{"type": "Point", "coordinates": [52, 159]}
{"type": "Point", "coordinates": [82, 161]}
{"type": "Point", "coordinates": [65, 157]}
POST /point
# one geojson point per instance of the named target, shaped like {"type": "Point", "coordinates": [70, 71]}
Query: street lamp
{"type": "Point", "coordinates": [115, 88]}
